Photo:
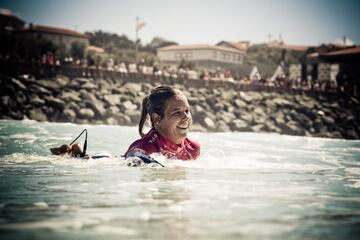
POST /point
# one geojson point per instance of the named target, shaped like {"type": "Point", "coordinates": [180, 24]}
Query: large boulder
{"type": "Point", "coordinates": [128, 106]}
{"type": "Point", "coordinates": [62, 80]}
{"type": "Point", "coordinates": [132, 88]}
{"type": "Point", "coordinates": [111, 121]}
{"type": "Point", "coordinates": [258, 127]}
{"type": "Point", "coordinates": [86, 95]}
{"type": "Point", "coordinates": [55, 103]}
{"type": "Point", "coordinates": [112, 99]}
{"type": "Point", "coordinates": [192, 101]}
{"type": "Point", "coordinates": [292, 128]}
{"type": "Point", "coordinates": [228, 107]}
{"type": "Point", "coordinates": [36, 101]}
{"type": "Point", "coordinates": [134, 116]}
{"type": "Point", "coordinates": [49, 84]}
{"type": "Point", "coordinates": [105, 85]}
{"type": "Point", "coordinates": [197, 128]}
{"type": "Point", "coordinates": [5, 101]}
{"type": "Point", "coordinates": [21, 98]}
{"type": "Point", "coordinates": [245, 116]}
{"type": "Point", "coordinates": [239, 125]}
{"type": "Point", "coordinates": [146, 87]}
{"type": "Point", "coordinates": [123, 119]}
{"type": "Point", "coordinates": [328, 120]}
{"type": "Point", "coordinates": [209, 123]}
{"type": "Point", "coordinates": [245, 97]}
{"type": "Point", "coordinates": [222, 126]}
{"type": "Point", "coordinates": [74, 85]}
{"type": "Point", "coordinates": [37, 114]}
{"type": "Point", "coordinates": [271, 127]}
{"type": "Point", "coordinates": [70, 96]}
{"type": "Point", "coordinates": [69, 114]}
{"type": "Point", "coordinates": [228, 95]}
{"type": "Point", "coordinates": [89, 86]}
{"type": "Point", "coordinates": [239, 103]}
{"type": "Point", "coordinates": [110, 111]}
{"type": "Point", "coordinates": [211, 101]}
{"type": "Point", "coordinates": [81, 80]}
{"type": "Point", "coordinates": [257, 96]}
{"type": "Point", "coordinates": [97, 106]}
{"type": "Point", "coordinates": [279, 118]}
{"type": "Point", "coordinates": [226, 117]}
{"type": "Point", "coordinates": [18, 84]}
{"type": "Point", "coordinates": [40, 90]}
{"type": "Point", "coordinates": [86, 113]}
{"type": "Point", "coordinates": [281, 102]}
{"type": "Point", "coordinates": [269, 103]}
{"type": "Point", "coordinates": [73, 106]}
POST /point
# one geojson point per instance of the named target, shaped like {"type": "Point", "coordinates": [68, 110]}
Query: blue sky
{"type": "Point", "coordinates": [303, 22]}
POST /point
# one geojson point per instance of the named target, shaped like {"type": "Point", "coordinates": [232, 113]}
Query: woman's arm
{"type": "Point", "coordinates": [137, 156]}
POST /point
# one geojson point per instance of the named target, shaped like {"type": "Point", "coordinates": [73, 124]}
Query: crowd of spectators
{"type": "Point", "coordinates": [49, 62]}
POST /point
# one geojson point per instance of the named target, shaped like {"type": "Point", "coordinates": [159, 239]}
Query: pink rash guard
{"type": "Point", "coordinates": [153, 142]}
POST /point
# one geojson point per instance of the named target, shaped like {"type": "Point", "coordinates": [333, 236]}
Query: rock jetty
{"type": "Point", "coordinates": [114, 102]}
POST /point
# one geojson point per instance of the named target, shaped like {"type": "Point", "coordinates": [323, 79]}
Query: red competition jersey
{"type": "Point", "coordinates": [153, 142]}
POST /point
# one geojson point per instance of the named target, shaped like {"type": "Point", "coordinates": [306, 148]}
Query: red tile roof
{"type": "Point", "coordinates": [197, 47]}
{"type": "Point", "coordinates": [349, 51]}
{"type": "Point", "coordinates": [313, 55]}
{"type": "Point", "coordinates": [242, 46]}
{"type": "Point", "coordinates": [298, 48]}
{"type": "Point", "coordinates": [53, 30]}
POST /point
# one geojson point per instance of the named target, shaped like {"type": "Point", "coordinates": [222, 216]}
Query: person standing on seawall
{"type": "Point", "coordinates": [170, 117]}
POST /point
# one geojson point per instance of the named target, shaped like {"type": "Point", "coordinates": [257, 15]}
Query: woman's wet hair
{"type": "Point", "coordinates": [155, 103]}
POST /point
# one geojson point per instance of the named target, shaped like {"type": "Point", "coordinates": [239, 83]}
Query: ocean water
{"type": "Point", "coordinates": [244, 186]}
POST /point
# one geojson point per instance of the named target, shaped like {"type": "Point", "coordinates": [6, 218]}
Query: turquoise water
{"type": "Point", "coordinates": [245, 185]}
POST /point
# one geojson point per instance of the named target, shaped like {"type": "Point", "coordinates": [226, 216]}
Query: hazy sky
{"type": "Point", "coordinates": [305, 22]}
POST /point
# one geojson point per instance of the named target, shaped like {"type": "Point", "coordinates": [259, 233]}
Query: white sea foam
{"type": "Point", "coordinates": [257, 181]}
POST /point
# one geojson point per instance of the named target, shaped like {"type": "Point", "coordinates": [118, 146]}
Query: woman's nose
{"type": "Point", "coordinates": [186, 115]}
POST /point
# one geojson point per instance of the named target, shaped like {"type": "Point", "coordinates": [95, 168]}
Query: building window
{"type": "Point", "coordinates": [214, 54]}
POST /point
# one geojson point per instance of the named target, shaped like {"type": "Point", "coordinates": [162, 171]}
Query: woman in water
{"type": "Point", "coordinates": [170, 117]}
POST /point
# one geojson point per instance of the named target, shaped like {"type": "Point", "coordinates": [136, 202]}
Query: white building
{"type": "Point", "coordinates": [201, 55]}
{"type": "Point", "coordinates": [327, 72]}
{"type": "Point", "coordinates": [295, 71]}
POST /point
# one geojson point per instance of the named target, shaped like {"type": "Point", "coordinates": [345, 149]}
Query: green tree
{"type": "Point", "coordinates": [110, 41]}
{"type": "Point", "coordinates": [78, 50]}
{"type": "Point", "coordinates": [157, 42]}
{"type": "Point", "coordinates": [62, 51]}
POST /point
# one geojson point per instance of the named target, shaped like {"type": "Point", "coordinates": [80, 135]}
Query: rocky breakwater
{"type": "Point", "coordinates": [83, 100]}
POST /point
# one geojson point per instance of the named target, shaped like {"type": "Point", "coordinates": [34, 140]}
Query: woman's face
{"type": "Point", "coordinates": [177, 119]}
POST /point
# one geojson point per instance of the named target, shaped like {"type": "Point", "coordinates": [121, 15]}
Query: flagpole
{"type": "Point", "coordinates": [136, 39]}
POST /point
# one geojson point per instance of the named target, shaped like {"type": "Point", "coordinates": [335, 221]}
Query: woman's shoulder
{"type": "Point", "coordinates": [193, 147]}
{"type": "Point", "coordinates": [192, 143]}
{"type": "Point", "coordinates": [144, 144]}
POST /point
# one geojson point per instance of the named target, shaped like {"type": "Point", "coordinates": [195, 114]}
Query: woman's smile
{"type": "Point", "coordinates": [177, 119]}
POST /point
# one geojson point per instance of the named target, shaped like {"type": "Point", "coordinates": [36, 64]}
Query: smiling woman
{"type": "Point", "coordinates": [170, 118]}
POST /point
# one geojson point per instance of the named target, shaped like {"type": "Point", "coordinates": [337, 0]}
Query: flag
{"type": "Point", "coordinates": [140, 25]}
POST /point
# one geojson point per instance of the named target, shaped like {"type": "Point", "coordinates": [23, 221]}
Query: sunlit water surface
{"type": "Point", "coordinates": [245, 185]}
